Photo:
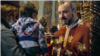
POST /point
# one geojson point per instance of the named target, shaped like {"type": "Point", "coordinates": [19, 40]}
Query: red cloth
{"type": "Point", "coordinates": [49, 49]}
{"type": "Point", "coordinates": [80, 38]}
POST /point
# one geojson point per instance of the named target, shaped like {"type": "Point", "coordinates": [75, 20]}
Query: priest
{"type": "Point", "coordinates": [75, 32]}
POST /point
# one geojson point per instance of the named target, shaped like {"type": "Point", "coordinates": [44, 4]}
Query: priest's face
{"type": "Point", "coordinates": [66, 13]}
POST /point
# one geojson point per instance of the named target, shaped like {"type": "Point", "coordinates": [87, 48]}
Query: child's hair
{"type": "Point", "coordinates": [27, 10]}
{"type": "Point", "coordinates": [53, 29]}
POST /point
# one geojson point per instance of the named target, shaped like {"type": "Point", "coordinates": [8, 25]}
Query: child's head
{"type": "Point", "coordinates": [28, 10]}
{"type": "Point", "coordinates": [53, 29]}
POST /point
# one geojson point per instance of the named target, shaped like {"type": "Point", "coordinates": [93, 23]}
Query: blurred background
{"type": "Point", "coordinates": [88, 11]}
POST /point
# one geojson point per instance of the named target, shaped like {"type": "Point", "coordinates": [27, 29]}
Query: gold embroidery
{"type": "Point", "coordinates": [52, 51]}
{"type": "Point", "coordinates": [58, 51]}
{"type": "Point", "coordinates": [81, 23]}
{"type": "Point", "coordinates": [65, 43]}
{"type": "Point", "coordinates": [70, 38]}
{"type": "Point", "coordinates": [60, 39]}
{"type": "Point", "coordinates": [66, 36]}
{"type": "Point", "coordinates": [68, 53]}
{"type": "Point", "coordinates": [81, 46]}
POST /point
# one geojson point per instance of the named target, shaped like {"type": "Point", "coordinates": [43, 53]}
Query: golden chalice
{"type": "Point", "coordinates": [55, 49]}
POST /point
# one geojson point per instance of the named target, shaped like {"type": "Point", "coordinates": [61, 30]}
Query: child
{"type": "Point", "coordinates": [31, 35]}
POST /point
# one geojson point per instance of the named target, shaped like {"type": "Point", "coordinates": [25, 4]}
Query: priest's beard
{"type": "Point", "coordinates": [69, 22]}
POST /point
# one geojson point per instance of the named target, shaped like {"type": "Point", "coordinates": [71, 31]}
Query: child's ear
{"type": "Point", "coordinates": [34, 15]}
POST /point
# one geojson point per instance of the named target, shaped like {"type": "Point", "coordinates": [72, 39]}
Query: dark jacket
{"type": "Point", "coordinates": [9, 45]}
